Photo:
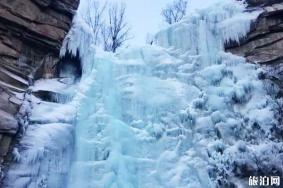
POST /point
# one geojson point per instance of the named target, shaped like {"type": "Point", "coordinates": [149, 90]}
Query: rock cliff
{"type": "Point", "coordinates": [264, 44]}
{"type": "Point", "coordinates": [31, 33]}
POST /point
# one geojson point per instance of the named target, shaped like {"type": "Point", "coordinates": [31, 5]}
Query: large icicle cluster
{"type": "Point", "coordinates": [185, 114]}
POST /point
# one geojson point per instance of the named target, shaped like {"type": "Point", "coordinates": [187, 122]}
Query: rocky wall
{"type": "Point", "coordinates": [31, 33]}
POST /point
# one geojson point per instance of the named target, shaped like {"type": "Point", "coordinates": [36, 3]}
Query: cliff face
{"type": "Point", "coordinates": [31, 33]}
{"type": "Point", "coordinates": [264, 44]}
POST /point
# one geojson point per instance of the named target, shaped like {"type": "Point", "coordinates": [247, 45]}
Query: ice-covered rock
{"type": "Point", "coordinates": [43, 155]}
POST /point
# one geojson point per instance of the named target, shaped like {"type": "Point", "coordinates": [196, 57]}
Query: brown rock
{"type": "Point", "coordinates": [6, 50]}
{"type": "Point", "coordinates": [8, 123]}
{"type": "Point", "coordinates": [264, 44]}
{"type": "Point", "coordinates": [5, 142]}
{"type": "Point", "coordinates": [8, 103]}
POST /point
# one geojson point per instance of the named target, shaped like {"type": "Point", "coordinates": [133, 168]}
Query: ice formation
{"type": "Point", "coordinates": [42, 158]}
{"type": "Point", "coordinates": [180, 113]}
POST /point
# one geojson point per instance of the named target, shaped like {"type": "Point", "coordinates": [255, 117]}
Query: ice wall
{"type": "Point", "coordinates": [182, 113]}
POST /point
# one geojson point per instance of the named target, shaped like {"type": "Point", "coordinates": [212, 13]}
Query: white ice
{"type": "Point", "coordinates": [154, 116]}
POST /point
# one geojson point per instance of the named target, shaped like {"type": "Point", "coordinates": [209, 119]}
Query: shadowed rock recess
{"type": "Point", "coordinates": [31, 33]}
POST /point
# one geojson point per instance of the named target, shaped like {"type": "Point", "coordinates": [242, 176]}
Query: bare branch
{"type": "Point", "coordinates": [94, 17]}
{"type": "Point", "coordinates": [117, 32]}
{"type": "Point", "coordinates": [175, 12]}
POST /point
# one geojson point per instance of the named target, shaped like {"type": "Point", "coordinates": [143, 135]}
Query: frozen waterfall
{"type": "Point", "coordinates": [160, 116]}
{"type": "Point", "coordinates": [180, 113]}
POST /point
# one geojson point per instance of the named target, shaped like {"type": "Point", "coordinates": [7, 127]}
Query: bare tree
{"type": "Point", "coordinates": [116, 33]}
{"type": "Point", "coordinates": [94, 17]}
{"type": "Point", "coordinates": [174, 12]}
{"type": "Point", "coordinates": [106, 37]}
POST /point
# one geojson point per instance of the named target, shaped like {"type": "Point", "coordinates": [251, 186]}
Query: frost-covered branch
{"type": "Point", "coordinates": [94, 17]}
{"type": "Point", "coordinates": [174, 12]}
{"type": "Point", "coordinates": [116, 33]}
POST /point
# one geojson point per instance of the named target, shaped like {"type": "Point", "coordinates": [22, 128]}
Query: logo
{"type": "Point", "coordinates": [264, 181]}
